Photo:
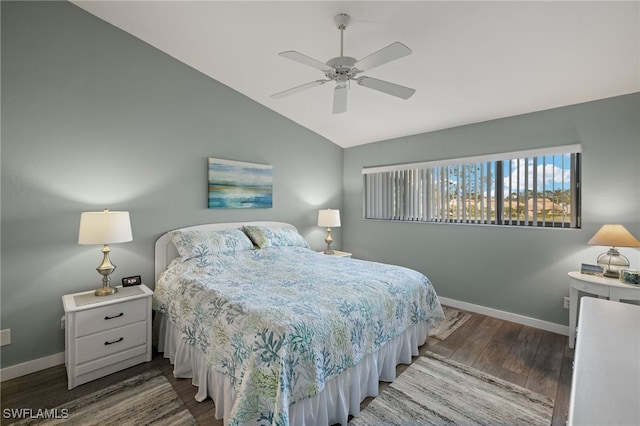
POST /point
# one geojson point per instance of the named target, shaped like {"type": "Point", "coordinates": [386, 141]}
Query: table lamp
{"type": "Point", "coordinates": [105, 228]}
{"type": "Point", "coordinates": [328, 218]}
{"type": "Point", "coordinates": [612, 262]}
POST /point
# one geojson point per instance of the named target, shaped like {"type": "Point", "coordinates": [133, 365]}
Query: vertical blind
{"type": "Point", "coordinates": [526, 188]}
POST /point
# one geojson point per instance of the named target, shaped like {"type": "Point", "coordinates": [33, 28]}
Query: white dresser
{"type": "Point", "coordinates": [605, 387]}
{"type": "Point", "coordinates": [106, 334]}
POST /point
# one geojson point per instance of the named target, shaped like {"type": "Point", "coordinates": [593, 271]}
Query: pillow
{"type": "Point", "coordinates": [192, 244]}
{"type": "Point", "coordinates": [264, 236]}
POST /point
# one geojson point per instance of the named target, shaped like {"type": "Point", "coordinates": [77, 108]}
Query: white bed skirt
{"type": "Point", "coordinates": [340, 397]}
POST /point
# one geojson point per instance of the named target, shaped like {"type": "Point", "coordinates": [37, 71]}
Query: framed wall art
{"type": "Point", "coordinates": [239, 185]}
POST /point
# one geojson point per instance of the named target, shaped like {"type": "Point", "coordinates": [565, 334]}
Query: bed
{"type": "Point", "coordinates": [276, 333]}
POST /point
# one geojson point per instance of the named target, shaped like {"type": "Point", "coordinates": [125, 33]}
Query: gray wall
{"type": "Point", "coordinates": [93, 117]}
{"type": "Point", "coordinates": [519, 270]}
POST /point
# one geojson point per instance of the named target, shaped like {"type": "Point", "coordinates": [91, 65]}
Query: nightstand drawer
{"type": "Point", "coordinates": [109, 364]}
{"type": "Point", "coordinates": [592, 288]}
{"type": "Point", "coordinates": [111, 316]}
{"type": "Point", "coordinates": [109, 342]}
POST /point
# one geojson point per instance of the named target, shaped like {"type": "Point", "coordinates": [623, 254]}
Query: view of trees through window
{"type": "Point", "coordinates": [536, 190]}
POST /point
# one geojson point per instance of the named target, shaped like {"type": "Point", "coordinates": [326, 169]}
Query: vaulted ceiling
{"type": "Point", "coordinates": [471, 61]}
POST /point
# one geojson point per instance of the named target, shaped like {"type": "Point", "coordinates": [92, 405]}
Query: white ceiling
{"type": "Point", "coordinates": [471, 61]}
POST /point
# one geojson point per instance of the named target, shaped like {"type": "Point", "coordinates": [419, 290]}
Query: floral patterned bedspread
{"type": "Point", "coordinates": [281, 321]}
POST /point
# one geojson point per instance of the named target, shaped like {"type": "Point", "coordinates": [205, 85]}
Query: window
{"type": "Point", "coordinates": [527, 188]}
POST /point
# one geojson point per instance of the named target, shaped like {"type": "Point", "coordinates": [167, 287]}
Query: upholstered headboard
{"type": "Point", "coordinates": [165, 251]}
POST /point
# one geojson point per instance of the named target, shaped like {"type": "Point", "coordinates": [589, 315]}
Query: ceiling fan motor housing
{"type": "Point", "coordinates": [342, 68]}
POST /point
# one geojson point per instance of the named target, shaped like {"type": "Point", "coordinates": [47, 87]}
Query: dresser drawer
{"type": "Point", "coordinates": [109, 342]}
{"type": "Point", "coordinates": [111, 316]}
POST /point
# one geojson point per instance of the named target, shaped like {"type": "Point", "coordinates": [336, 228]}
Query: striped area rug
{"type": "Point", "coordinates": [437, 391]}
{"type": "Point", "coordinates": [453, 319]}
{"type": "Point", "coordinates": [145, 399]}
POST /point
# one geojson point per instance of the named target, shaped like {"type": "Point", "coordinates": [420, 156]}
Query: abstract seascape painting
{"type": "Point", "coordinates": [239, 185]}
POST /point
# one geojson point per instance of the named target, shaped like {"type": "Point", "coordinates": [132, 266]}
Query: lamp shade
{"type": "Point", "coordinates": [614, 236]}
{"type": "Point", "coordinates": [104, 228]}
{"type": "Point", "coordinates": [329, 218]}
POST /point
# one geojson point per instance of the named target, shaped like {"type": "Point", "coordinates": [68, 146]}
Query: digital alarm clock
{"type": "Point", "coordinates": [134, 280]}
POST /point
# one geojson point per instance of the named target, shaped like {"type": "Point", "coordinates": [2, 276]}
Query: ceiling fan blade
{"type": "Point", "coordinates": [306, 60]}
{"type": "Point", "coordinates": [386, 87]}
{"type": "Point", "coordinates": [297, 89]}
{"type": "Point", "coordinates": [390, 53]}
{"type": "Point", "coordinates": [340, 99]}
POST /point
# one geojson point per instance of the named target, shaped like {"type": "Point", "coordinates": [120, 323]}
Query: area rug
{"type": "Point", "coordinates": [437, 391]}
{"type": "Point", "coordinates": [145, 399]}
{"type": "Point", "coordinates": [453, 319]}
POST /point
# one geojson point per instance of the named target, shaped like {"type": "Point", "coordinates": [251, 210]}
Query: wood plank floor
{"type": "Point", "coordinates": [535, 359]}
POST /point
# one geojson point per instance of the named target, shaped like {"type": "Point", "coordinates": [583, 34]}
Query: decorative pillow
{"type": "Point", "coordinates": [265, 236]}
{"type": "Point", "coordinates": [192, 244]}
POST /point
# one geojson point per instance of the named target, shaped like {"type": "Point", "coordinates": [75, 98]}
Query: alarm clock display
{"type": "Point", "coordinates": [129, 281]}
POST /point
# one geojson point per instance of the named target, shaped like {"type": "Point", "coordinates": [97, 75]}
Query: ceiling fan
{"type": "Point", "coordinates": [343, 69]}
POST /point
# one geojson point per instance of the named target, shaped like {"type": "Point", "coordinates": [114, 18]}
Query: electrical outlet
{"type": "Point", "coordinates": [5, 337]}
{"type": "Point", "coordinates": [566, 302]}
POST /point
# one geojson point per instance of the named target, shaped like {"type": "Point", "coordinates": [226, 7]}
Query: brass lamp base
{"type": "Point", "coordinates": [105, 291]}
{"type": "Point", "coordinates": [105, 269]}
{"type": "Point", "coordinates": [328, 240]}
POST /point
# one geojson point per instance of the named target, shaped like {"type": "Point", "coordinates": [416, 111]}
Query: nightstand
{"type": "Point", "coordinates": [105, 334]}
{"type": "Point", "coordinates": [338, 253]}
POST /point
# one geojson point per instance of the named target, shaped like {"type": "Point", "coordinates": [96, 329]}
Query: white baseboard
{"type": "Point", "coordinates": [32, 366]}
{"type": "Point", "coordinates": [507, 316]}
{"type": "Point", "coordinates": [29, 367]}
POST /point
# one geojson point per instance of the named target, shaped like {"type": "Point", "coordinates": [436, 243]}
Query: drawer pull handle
{"type": "Point", "coordinates": [115, 316]}
{"type": "Point", "coordinates": [115, 341]}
